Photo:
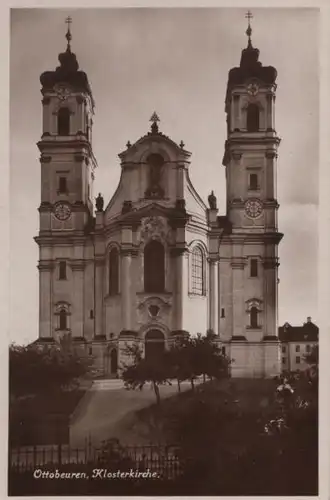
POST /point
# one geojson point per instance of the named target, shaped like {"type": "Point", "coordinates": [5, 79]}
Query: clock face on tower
{"type": "Point", "coordinates": [62, 91]}
{"type": "Point", "coordinates": [62, 211]}
{"type": "Point", "coordinates": [253, 208]}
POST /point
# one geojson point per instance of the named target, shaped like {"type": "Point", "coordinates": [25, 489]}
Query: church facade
{"type": "Point", "coordinates": [156, 262]}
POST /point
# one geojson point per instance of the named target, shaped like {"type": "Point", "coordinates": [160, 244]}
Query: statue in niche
{"type": "Point", "coordinates": [156, 163]}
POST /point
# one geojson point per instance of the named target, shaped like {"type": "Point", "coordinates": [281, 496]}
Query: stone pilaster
{"type": "Point", "coordinates": [270, 265]}
{"type": "Point", "coordinates": [179, 286]}
{"type": "Point", "coordinates": [237, 265]}
{"type": "Point", "coordinates": [45, 298]}
{"type": "Point", "coordinates": [99, 280]}
{"type": "Point", "coordinates": [77, 327]}
{"type": "Point", "coordinates": [213, 295]}
{"type": "Point", "coordinates": [126, 285]}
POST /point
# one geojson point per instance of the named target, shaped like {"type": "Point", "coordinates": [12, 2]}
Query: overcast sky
{"type": "Point", "coordinates": [174, 61]}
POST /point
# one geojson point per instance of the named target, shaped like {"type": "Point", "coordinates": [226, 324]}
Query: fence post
{"type": "Point", "coordinates": [59, 453]}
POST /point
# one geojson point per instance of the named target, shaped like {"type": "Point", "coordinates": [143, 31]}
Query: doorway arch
{"type": "Point", "coordinates": [154, 345]}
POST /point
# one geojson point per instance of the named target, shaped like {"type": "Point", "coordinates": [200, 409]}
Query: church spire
{"type": "Point", "coordinates": [68, 35]}
{"type": "Point", "coordinates": [248, 31]}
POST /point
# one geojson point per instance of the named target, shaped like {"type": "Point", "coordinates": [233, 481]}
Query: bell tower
{"type": "Point", "coordinates": [67, 160]}
{"type": "Point", "coordinates": [250, 162]}
{"type": "Point", "coordinates": [66, 210]}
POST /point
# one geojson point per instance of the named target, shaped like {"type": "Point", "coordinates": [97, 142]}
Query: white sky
{"type": "Point", "coordinates": [174, 61]}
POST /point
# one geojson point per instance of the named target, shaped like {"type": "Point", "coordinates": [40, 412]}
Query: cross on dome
{"type": "Point", "coordinates": [68, 35]}
{"type": "Point", "coordinates": [249, 16]}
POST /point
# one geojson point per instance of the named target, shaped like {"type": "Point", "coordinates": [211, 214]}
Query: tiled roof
{"type": "Point", "coordinates": [307, 332]}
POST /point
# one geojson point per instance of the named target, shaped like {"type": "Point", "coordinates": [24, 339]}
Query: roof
{"type": "Point", "coordinates": [308, 332]}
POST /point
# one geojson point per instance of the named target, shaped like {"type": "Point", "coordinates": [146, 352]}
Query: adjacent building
{"type": "Point", "coordinates": [296, 343]}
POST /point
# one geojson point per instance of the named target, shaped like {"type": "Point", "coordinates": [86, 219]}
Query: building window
{"type": "Point", "coordinates": [308, 348]}
{"type": "Point", "coordinates": [63, 319]}
{"type": "Point", "coordinates": [113, 271]}
{"type": "Point", "coordinates": [154, 267]}
{"type": "Point", "coordinates": [253, 182]}
{"type": "Point", "coordinates": [91, 314]}
{"type": "Point", "coordinates": [252, 119]}
{"type": "Point", "coordinates": [62, 270]}
{"type": "Point", "coordinates": [223, 351]}
{"type": "Point", "coordinates": [197, 271]}
{"type": "Point", "coordinates": [283, 348]}
{"type": "Point", "coordinates": [297, 348]}
{"type": "Point", "coordinates": [254, 317]}
{"type": "Point", "coordinates": [222, 312]}
{"type": "Point", "coordinates": [63, 121]}
{"type": "Point", "coordinates": [90, 351]}
{"type": "Point", "coordinates": [283, 361]}
{"type": "Point", "coordinates": [62, 185]}
{"type": "Point", "coordinates": [254, 268]}
{"type": "Point", "coordinates": [298, 360]}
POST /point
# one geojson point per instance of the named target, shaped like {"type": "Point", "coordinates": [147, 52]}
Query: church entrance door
{"type": "Point", "coordinates": [154, 345]}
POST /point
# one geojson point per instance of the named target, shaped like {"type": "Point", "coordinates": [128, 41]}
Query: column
{"type": "Point", "coordinates": [99, 274]}
{"type": "Point", "coordinates": [270, 296]}
{"type": "Point", "coordinates": [45, 299]}
{"type": "Point", "coordinates": [179, 279]}
{"type": "Point", "coordinates": [126, 306]}
{"type": "Point", "coordinates": [77, 324]}
{"type": "Point", "coordinates": [45, 115]}
{"type": "Point", "coordinates": [239, 313]}
{"type": "Point", "coordinates": [213, 294]}
{"type": "Point", "coordinates": [80, 125]}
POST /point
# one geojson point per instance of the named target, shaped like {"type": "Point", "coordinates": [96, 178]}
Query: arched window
{"type": "Point", "coordinates": [63, 319]}
{"type": "Point", "coordinates": [63, 121]}
{"type": "Point", "coordinates": [254, 317]}
{"type": "Point", "coordinates": [113, 271]}
{"type": "Point", "coordinates": [197, 271]}
{"type": "Point", "coordinates": [252, 118]}
{"type": "Point", "coordinates": [154, 267]}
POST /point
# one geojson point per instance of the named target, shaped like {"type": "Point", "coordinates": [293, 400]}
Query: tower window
{"type": "Point", "coordinates": [254, 317]}
{"type": "Point", "coordinates": [113, 271]}
{"type": "Point", "coordinates": [252, 119]}
{"type": "Point", "coordinates": [62, 185]}
{"type": "Point", "coordinates": [222, 312]}
{"type": "Point", "coordinates": [197, 271]}
{"type": "Point", "coordinates": [253, 182]}
{"type": "Point", "coordinates": [63, 319]}
{"type": "Point", "coordinates": [63, 121]}
{"type": "Point", "coordinates": [154, 267]}
{"type": "Point", "coordinates": [62, 270]}
{"type": "Point", "coordinates": [253, 268]}
{"type": "Point", "coordinates": [91, 314]}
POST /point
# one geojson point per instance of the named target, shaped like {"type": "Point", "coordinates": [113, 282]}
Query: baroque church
{"type": "Point", "coordinates": [156, 262]}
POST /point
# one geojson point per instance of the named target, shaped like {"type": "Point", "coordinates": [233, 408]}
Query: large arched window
{"type": "Point", "coordinates": [63, 121]}
{"type": "Point", "coordinates": [252, 118]}
{"type": "Point", "coordinates": [63, 324]}
{"type": "Point", "coordinates": [154, 267]}
{"type": "Point", "coordinates": [197, 271]}
{"type": "Point", "coordinates": [254, 317]}
{"type": "Point", "coordinates": [113, 271]}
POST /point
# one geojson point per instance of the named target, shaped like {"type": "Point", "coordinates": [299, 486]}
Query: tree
{"type": "Point", "coordinates": [192, 357]}
{"type": "Point", "coordinates": [38, 369]}
{"type": "Point", "coordinates": [142, 370]}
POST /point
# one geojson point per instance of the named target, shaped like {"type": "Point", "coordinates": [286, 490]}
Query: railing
{"type": "Point", "coordinates": [157, 458]}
